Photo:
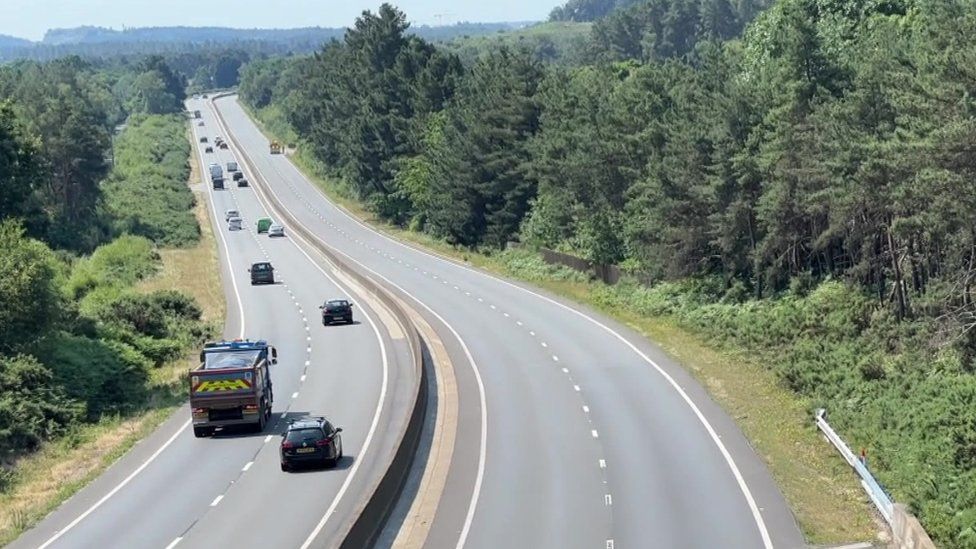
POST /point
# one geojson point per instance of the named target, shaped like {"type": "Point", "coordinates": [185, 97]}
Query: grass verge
{"type": "Point", "coordinates": [825, 496]}
{"type": "Point", "coordinates": [61, 468]}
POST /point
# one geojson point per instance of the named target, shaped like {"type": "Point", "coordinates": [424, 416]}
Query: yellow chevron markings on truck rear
{"type": "Point", "coordinates": [210, 386]}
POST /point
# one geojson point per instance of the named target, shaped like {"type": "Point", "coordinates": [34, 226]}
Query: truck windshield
{"type": "Point", "coordinates": [230, 359]}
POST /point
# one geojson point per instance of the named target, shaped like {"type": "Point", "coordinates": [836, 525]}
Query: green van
{"type": "Point", "coordinates": [264, 224]}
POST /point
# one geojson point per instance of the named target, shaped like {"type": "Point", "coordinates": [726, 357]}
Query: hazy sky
{"type": "Point", "coordinates": [30, 18]}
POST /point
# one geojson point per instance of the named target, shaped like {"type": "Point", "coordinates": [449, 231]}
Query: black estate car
{"type": "Point", "coordinates": [310, 440]}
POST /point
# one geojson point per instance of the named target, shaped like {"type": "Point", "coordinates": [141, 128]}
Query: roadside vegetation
{"type": "Point", "coordinates": [787, 182]}
{"type": "Point", "coordinates": [93, 339]}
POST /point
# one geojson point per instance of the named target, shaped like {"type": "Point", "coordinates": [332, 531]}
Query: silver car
{"type": "Point", "coordinates": [231, 213]}
{"type": "Point", "coordinates": [276, 230]}
{"type": "Point", "coordinates": [235, 224]}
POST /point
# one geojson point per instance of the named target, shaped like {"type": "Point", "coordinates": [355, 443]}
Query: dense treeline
{"type": "Point", "coordinates": [812, 178]}
{"type": "Point", "coordinates": [77, 340]}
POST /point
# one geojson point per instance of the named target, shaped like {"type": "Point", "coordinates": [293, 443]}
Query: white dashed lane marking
{"type": "Point", "coordinates": [216, 500]}
{"type": "Point", "coordinates": [247, 466]}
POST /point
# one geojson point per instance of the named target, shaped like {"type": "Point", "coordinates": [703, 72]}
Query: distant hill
{"type": "Point", "coordinates": [13, 42]}
{"type": "Point", "coordinates": [101, 42]}
{"type": "Point", "coordinates": [210, 35]}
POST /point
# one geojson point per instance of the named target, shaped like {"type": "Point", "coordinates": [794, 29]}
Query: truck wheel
{"type": "Point", "coordinates": [202, 432]}
{"type": "Point", "coordinates": [261, 422]}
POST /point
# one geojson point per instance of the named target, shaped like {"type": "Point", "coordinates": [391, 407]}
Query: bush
{"type": "Point", "coordinates": [103, 375]}
{"type": "Point", "coordinates": [147, 193]}
{"type": "Point", "coordinates": [33, 408]}
{"type": "Point", "coordinates": [122, 262]}
{"type": "Point", "coordinates": [29, 294]}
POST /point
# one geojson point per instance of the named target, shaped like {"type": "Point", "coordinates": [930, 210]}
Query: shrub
{"type": "Point", "coordinates": [103, 375]}
{"type": "Point", "coordinates": [122, 262]}
{"type": "Point", "coordinates": [33, 408]}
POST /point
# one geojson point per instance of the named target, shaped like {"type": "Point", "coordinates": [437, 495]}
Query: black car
{"type": "Point", "coordinates": [203, 139]}
{"type": "Point", "coordinates": [262, 273]}
{"type": "Point", "coordinates": [238, 175]}
{"type": "Point", "coordinates": [335, 310]}
{"type": "Point", "coordinates": [241, 182]}
{"type": "Point", "coordinates": [208, 150]}
{"type": "Point", "coordinates": [310, 440]}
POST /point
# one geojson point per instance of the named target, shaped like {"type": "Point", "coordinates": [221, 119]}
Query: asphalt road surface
{"type": "Point", "coordinates": [573, 431]}
{"type": "Point", "coordinates": [176, 490]}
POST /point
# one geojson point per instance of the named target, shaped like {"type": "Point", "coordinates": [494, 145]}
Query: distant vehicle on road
{"type": "Point", "coordinates": [201, 124]}
{"type": "Point", "coordinates": [264, 224]}
{"type": "Point", "coordinates": [242, 182]}
{"type": "Point", "coordinates": [196, 114]}
{"type": "Point", "coordinates": [203, 139]}
{"type": "Point", "coordinates": [275, 147]}
{"type": "Point", "coordinates": [262, 273]}
{"type": "Point", "coordinates": [238, 175]}
{"type": "Point", "coordinates": [231, 213]}
{"type": "Point", "coordinates": [310, 440]}
{"type": "Point", "coordinates": [276, 230]}
{"type": "Point", "coordinates": [232, 167]}
{"type": "Point", "coordinates": [208, 150]}
{"type": "Point", "coordinates": [217, 176]}
{"type": "Point", "coordinates": [235, 224]}
{"type": "Point", "coordinates": [232, 386]}
{"type": "Point", "coordinates": [223, 145]}
{"type": "Point", "coordinates": [336, 310]}
{"type": "Point", "coordinates": [204, 96]}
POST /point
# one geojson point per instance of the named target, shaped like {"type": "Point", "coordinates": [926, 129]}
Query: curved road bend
{"type": "Point", "coordinates": [175, 490]}
{"type": "Point", "coordinates": [573, 431]}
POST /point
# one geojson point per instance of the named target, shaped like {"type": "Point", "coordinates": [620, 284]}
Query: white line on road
{"type": "Point", "coordinates": [174, 543]}
{"type": "Point", "coordinates": [595, 434]}
{"type": "Point", "coordinates": [267, 439]}
{"type": "Point", "coordinates": [576, 388]}
{"type": "Point", "coordinates": [531, 333]}
{"type": "Point", "coordinates": [303, 378]}
{"type": "Point", "coordinates": [565, 370]}
{"type": "Point", "coordinates": [544, 344]}
{"type": "Point", "coordinates": [308, 362]}
{"type": "Point", "coordinates": [555, 358]}
{"type": "Point", "coordinates": [247, 466]}
{"type": "Point", "coordinates": [603, 464]}
{"type": "Point", "coordinates": [586, 409]}
{"type": "Point", "coordinates": [294, 395]}
{"type": "Point", "coordinates": [608, 500]}
{"type": "Point", "coordinates": [518, 322]}
{"type": "Point", "coordinates": [216, 500]}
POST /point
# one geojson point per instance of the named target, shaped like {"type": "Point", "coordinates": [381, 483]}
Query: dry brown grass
{"type": "Point", "coordinates": [61, 468]}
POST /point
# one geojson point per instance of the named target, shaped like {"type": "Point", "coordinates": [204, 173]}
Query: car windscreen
{"type": "Point", "coordinates": [261, 267]}
{"type": "Point", "coordinates": [310, 434]}
{"type": "Point", "coordinates": [230, 359]}
{"type": "Point", "coordinates": [337, 304]}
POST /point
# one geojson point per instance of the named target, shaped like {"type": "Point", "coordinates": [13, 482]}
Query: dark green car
{"type": "Point", "coordinates": [264, 224]}
{"type": "Point", "coordinates": [262, 273]}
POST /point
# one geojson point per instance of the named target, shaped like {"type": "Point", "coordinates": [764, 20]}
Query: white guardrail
{"type": "Point", "coordinates": [877, 494]}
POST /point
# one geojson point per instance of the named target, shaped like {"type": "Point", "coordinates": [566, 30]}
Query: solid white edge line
{"type": "Point", "coordinates": [727, 456]}
{"type": "Point", "coordinates": [482, 454]}
{"type": "Point", "coordinates": [240, 305]}
{"type": "Point", "coordinates": [383, 351]}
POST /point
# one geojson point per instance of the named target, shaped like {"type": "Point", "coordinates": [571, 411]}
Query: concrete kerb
{"type": "Point", "coordinates": [372, 514]}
